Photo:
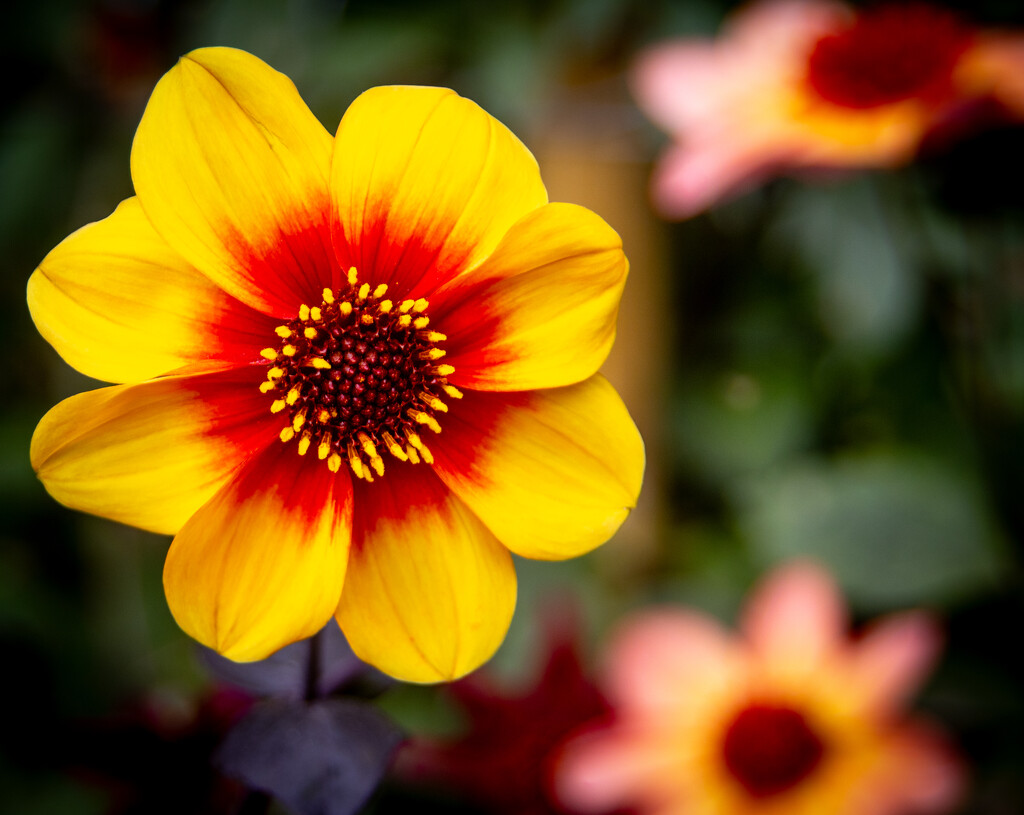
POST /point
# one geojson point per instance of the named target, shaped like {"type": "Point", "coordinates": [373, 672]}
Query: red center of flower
{"type": "Point", "coordinates": [770, 748]}
{"type": "Point", "coordinates": [358, 375]}
{"type": "Point", "coordinates": [888, 54]}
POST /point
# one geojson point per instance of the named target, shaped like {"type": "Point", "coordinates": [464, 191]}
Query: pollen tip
{"type": "Point", "coordinates": [267, 387]}
{"type": "Point", "coordinates": [452, 391]}
{"type": "Point", "coordinates": [277, 406]}
{"type": "Point", "coordinates": [283, 331]}
{"type": "Point", "coordinates": [315, 314]}
{"type": "Point", "coordinates": [304, 443]}
{"type": "Point", "coordinates": [298, 420]}
{"type": "Point", "coordinates": [288, 350]}
{"type": "Point", "coordinates": [334, 463]}
{"type": "Point", "coordinates": [378, 465]}
{"type": "Point", "coordinates": [404, 321]}
{"type": "Point", "coordinates": [414, 457]}
{"type": "Point", "coordinates": [364, 291]}
{"type": "Point", "coordinates": [380, 291]}
{"type": "Point", "coordinates": [420, 305]}
{"type": "Point", "coordinates": [435, 336]}
{"type": "Point", "coordinates": [406, 305]}
{"type": "Point", "coordinates": [353, 276]}
{"type": "Point", "coordinates": [286, 434]}
{"type": "Point", "coordinates": [268, 353]}
{"type": "Point", "coordinates": [303, 312]}
{"type": "Point", "coordinates": [328, 296]}
{"type": "Point", "coordinates": [385, 306]}
{"type": "Point", "coordinates": [345, 309]}
{"type": "Point", "coordinates": [324, 450]}
{"type": "Point", "coordinates": [319, 362]}
{"type": "Point", "coordinates": [444, 370]}
{"type": "Point", "coordinates": [366, 319]}
{"type": "Point", "coordinates": [275, 373]}
{"type": "Point", "coordinates": [293, 395]}
{"type": "Point", "coordinates": [421, 322]}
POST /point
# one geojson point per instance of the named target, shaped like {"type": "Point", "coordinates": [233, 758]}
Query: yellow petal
{"type": "Point", "coordinates": [552, 473]}
{"type": "Point", "coordinates": [430, 592]}
{"type": "Point", "coordinates": [118, 304]}
{"type": "Point", "coordinates": [231, 168]}
{"type": "Point", "coordinates": [262, 564]}
{"type": "Point", "coordinates": [541, 311]}
{"type": "Point", "coordinates": [425, 185]}
{"type": "Point", "coordinates": [151, 454]}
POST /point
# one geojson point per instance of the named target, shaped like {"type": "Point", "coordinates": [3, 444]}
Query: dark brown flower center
{"type": "Point", "coordinates": [888, 54]}
{"type": "Point", "coordinates": [358, 376]}
{"type": "Point", "coordinates": [770, 748]}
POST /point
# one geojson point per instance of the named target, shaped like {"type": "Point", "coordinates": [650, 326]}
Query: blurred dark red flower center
{"type": "Point", "coordinates": [769, 749]}
{"type": "Point", "coordinates": [888, 54]}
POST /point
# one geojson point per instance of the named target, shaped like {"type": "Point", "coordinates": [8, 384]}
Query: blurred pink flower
{"type": "Point", "coordinates": [811, 84]}
{"type": "Point", "coordinates": [791, 717]}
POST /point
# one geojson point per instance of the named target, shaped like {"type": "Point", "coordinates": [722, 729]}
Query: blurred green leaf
{"type": "Point", "coordinates": [867, 286]}
{"type": "Point", "coordinates": [897, 529]}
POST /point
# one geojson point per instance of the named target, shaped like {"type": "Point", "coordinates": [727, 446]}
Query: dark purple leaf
{"type": "Point", "coordinates": [320, 758]}
{"type": "Point", "coordinates": [285, 673]}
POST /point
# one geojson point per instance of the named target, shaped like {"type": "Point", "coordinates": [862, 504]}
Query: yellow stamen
{"type": "Point", "coordinates": [345, 309]}
{"type": "Point", "coordinates": [378, 465]}
{"type": "Point", "coordinates": [298, 420]}
{"type": "Point", "coordinates": [304, 443]}
{"type": "Point", "coordinates": [318, 362]}
{"type": "Point", "coordinates": [283, 331]}
{"type": "Point", "coordinates": [288, 350]}
{"type": "Point", "coordinates": [364, 291]}
{"type": "Point", "coordinates": [435, 336]}
{"type": "Point", "coordinates": [267, 387]}
{"type": "Point", "coordinates": [434, 402]}
{"type": "Point", "coordinates": [406, 305]}
{"type": "Point", "coordinates": [352, 276]}
{"type": "Point", "coordinates": [309, 333]}
{"type": "Point", "coordinates": [420, 417]}
{"type": "Point", "coordinates": [316, 314]}
{"type": "Point", "coordinates": [433, 353]}
{"type": "Point", "coordinates": [452, 391]}
{"type": "Point", "coordinates": [421, 322]}
{"type": "Point", "coordinates": [444, 370]}
{"type": "Point", "coordinates": [354, 461]}
{"type": "Point", "coordinates": [287, 434]}
{"type": "Point", "coordinates": [394, 447]}
{"type": "Point", "coordinates": [385, 306]}
{"type": "Point", "coordinates": [368, 446]}
{"type": "Point", "coordinates": [293, 395]}
{"type": "Point", "coordinates": [420, 305]}
{"type": "Point", "coordinates": [366, 319]}
{"type": "Point", "coordinates": [334, 463]}
{"type": "Point", "coordinates": [323, 416]}
{"type": "Point", "coordinates": [275, 373]}
{"type": "Point", "coordinates": [328, 296]}
{"type": "Point", "coordinates": [414, 440]}
{"type": "Point", "coordinates": [379, 291]}
{"type": "Point", "coordinates": [414, 457]}
{"type": "Point", "coordinates": [404, 321]}
{"type": "Point", "coordinates": [268, 353]}
{"type": "Point", "coordinates": [324, 450]}
{"type": "Point", "coordinates": [277, 406]}
{"type": "Point", "coordinates": [303, 312]}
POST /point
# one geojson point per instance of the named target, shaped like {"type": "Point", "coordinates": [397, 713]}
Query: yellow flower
{"type": "Point", "coordinates": [357, 372]}
{"type": "Point", "coordinates": [791, 717]}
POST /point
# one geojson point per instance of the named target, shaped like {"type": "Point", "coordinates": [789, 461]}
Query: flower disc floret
{"type": "Point", "coordinates": [770, 748]}
{"type": "Point", "coordinates": [887, 55]}
{"type": "Point", "coordinates": [358, 375]}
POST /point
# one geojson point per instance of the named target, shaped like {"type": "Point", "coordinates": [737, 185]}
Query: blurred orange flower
{"type": "Point", "coordinates": [812, 84]}
{"type": "Point", "coordinates": [290, 314]}
{"type": "Point", "coordinates": [791, 717]}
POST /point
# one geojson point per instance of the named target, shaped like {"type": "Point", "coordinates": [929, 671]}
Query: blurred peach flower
{"type": "Point", "coordinates": [791, 716]}
{"type": "Point", "coordinates": [812, 84]}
